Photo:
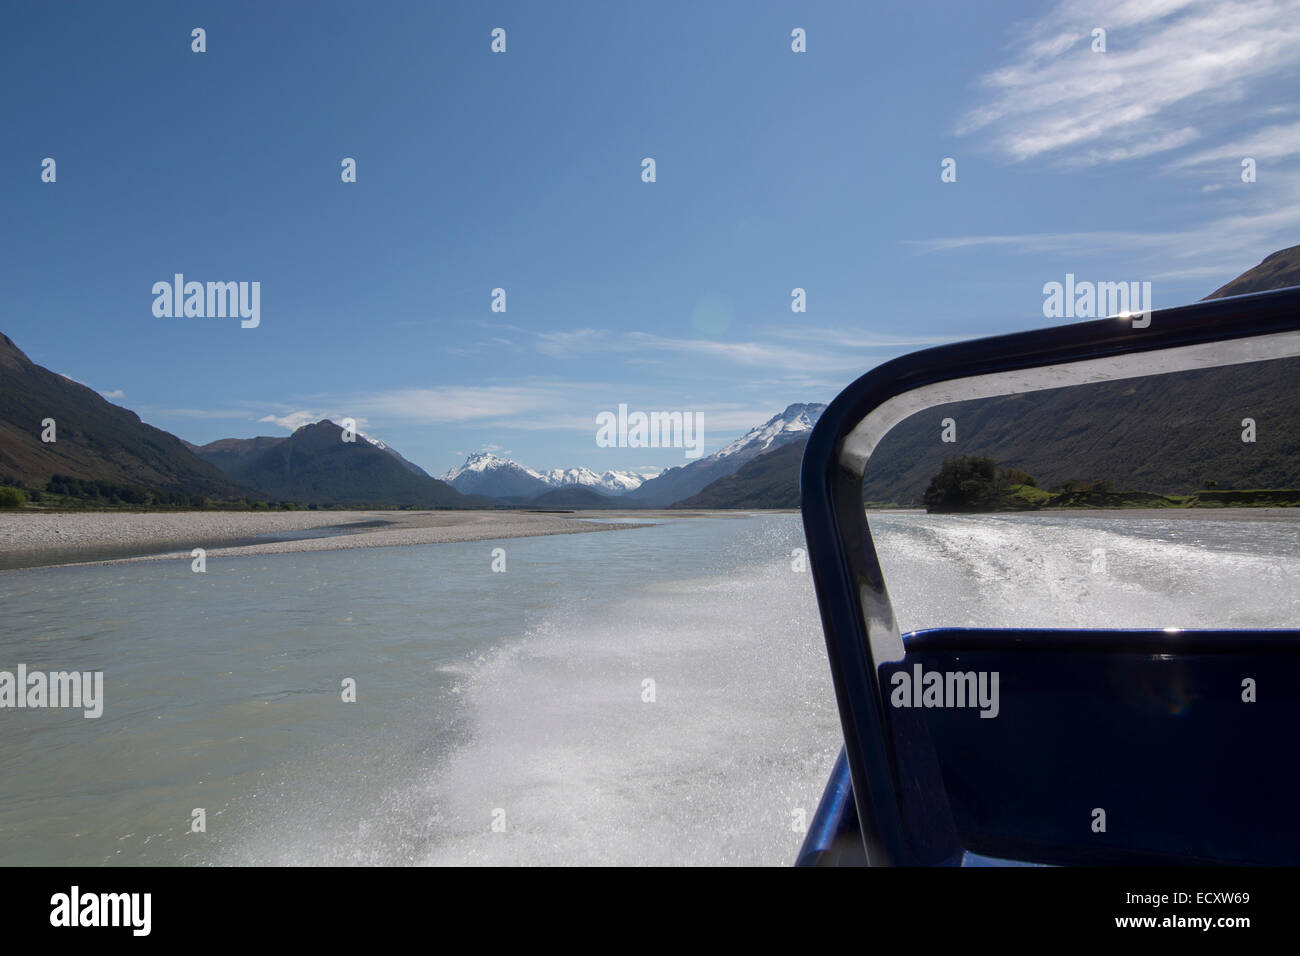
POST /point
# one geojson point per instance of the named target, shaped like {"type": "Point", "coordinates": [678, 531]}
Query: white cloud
{"type": "Point", "coordinates": [743, 353]}
{"type": "Point", "coordinates": [1095, 243]}
{"type": "Point", "coordinates": [861, 339]}
{"type": "Point", "coordinates": [1170, 67]}
{"type": "Point", "coordinates": [539, 406]}
{"type": "Point", "coordinates": [1268, 143]}
{"type": "Point", "coordinates": [463, 403]}
{"type": "Point", "coordinates": [1250, 221]}
{"type": "Point", "coordinates": [115, 393]}
{"type": "Point", "coordinates": [829, 355]}
{"type": "Point", "coordinates": [1149, 147]}
{"type": "Point", "coordinates": [294, 420]}
{"type": "Point", "coordinates": [561, 344]}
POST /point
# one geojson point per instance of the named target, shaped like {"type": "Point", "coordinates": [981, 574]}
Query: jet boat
{"type": "Point", "coordinates": [1104, 746]}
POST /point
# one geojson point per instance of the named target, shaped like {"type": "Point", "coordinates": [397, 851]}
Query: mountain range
{"type": "Point", "coordinates": [486, 474]}
{"type": "Point", "coordinates": [99, 442]}
{"type": "Point", "coordinates": [1139, 434]}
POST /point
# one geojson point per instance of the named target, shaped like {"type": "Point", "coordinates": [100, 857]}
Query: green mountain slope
{"type": "Point", "coordinates": [95, 439]}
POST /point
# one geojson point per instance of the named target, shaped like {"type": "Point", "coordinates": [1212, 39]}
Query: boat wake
{"type": "Point", "coordinates": [693, 721]}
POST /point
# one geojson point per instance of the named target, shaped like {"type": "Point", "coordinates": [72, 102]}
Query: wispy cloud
{"type": "Point", "coordinates": [1100, 243]}
{"type": "Point", "coordinates": [828, 356]}
{"type": "Point", "coordinates": [532, 407]}
{"type": "Point", "coordinates": [743, 353]}
{"type": "Point", "coordinates": [449, 404]}
{"type": "Point", "coordinates": [860, 339]}
{"type": "Point", "coordinates": [1169, 68]}
{"type": "Point", "coordinates": [1222, 245]}
{"type": "Point", "coordinates": [220, 414]}
{"type": "Point", "coordinates": [544, 404]}
{"type": "Point", "coordinates": [1268, 143]}
{"type": "Point", "coordinates": [575, 341]}
{"type": "Point", "coordinates": [778, 365]}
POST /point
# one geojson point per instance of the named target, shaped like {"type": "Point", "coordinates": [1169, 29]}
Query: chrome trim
{"type": "Point", "coordinates": [857, 447]}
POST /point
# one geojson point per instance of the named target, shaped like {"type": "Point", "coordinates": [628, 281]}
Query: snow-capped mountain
{"type": "Point", "coordinates": [610, 483]}
{"type": "Point", "coordinates": [793, 424]}
{"type": "Point", "coordinates": [487, 474]}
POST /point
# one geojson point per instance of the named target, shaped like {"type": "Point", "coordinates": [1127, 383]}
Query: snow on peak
{"type": "Point", "coordinates": [795, 419]}
{"type": "Point", "coordinates": [481, 462]}
{"type": "Point", "coordinates": [611, 482]}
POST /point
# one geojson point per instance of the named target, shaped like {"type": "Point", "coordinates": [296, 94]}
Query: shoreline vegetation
{"type": "Point", "coordinates": [970, 485]}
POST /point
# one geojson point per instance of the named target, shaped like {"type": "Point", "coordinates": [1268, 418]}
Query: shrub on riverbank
{"type": "Point", "coordinates": [971, 484]}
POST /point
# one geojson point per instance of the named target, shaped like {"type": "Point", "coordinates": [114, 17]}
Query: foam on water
{"type": "Point", "coordinates": [552, 729]}
{"type": "Point", "coordinates": [741, 734]}
{"type": "Point", "coordinates": [1038, 571]}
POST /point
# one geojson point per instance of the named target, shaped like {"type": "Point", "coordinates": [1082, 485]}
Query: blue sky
{"type": "Point", "coordinates": [522, 170]}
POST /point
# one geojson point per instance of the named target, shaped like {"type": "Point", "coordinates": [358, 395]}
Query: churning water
{"type": "Point", "coordinates": [506, 717]}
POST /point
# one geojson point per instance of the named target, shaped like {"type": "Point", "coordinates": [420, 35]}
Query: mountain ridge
{"type": "Point", "coordinates": [488, 474]}
{"type": "Point", "coordinates": [95, 440]}
{"type": "Point", "coordinates": [680, 483]}
{"type": "Point", "coordinates": [1046, 433]}
{"type": "Point", "coordinates": [315, 465]}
